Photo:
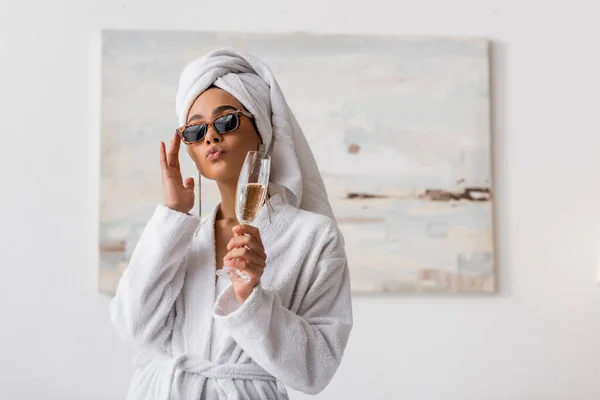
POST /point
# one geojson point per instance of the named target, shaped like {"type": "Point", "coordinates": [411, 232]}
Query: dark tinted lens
{"type": "Point", "coordinates": [194, 133]}
{"type": "Point", "coordinates": [226, 123]}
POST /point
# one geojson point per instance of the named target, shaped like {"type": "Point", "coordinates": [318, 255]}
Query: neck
{"type": "Point", "coordinates": [226, 212]}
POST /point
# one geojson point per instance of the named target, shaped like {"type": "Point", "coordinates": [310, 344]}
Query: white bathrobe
{"type": "Point", "coordinates": [291, 331]}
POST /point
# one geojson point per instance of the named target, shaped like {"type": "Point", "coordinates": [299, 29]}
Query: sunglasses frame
{"type": "Point", "coordinates": [239, 113]}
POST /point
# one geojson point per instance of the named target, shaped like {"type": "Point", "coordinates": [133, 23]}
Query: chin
{"type": "Point", "coordinates": [221, 173]}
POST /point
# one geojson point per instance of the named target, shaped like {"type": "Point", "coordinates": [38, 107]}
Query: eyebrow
{"type": "Point", "coordinates": [216, 111]}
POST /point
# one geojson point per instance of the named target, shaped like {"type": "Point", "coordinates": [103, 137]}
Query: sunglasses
{"type": "Point", "coordinates": [196, 131]}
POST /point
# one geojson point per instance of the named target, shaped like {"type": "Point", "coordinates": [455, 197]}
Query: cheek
{"type": "Point", "coordinates": [244, 141]}
{"type": "Point", "coordinates": [196, 155]}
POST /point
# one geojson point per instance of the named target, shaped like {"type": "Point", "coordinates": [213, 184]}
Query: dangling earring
{"type": "Point", "coordinates": [261, 148]}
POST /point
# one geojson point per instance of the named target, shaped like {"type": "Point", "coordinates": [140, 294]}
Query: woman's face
{"type": "Point", "coordinates": [225, 165]}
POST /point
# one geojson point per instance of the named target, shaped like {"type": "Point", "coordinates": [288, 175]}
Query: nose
{"type": "Point", "coordinates": [212, 136]}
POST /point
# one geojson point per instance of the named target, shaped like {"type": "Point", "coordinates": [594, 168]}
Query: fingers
{"type": "Point", "coordinates": [189, 183]}
{"type": "Point", "coordinates": [163, 158]}
{"type": "Point", "coordinates": [164, 165]}
{"type": "Point", "coordinates": [176, 146]}
{"type": "Point", "coordinates": [248, 230]}
{"type": "Point", "coordinates": [253, 271]}
{"type": "Point", "coordinates": [169, 160]}
{"type": "Point", "coordinates": [245, 254]}
{"type": "Point", "coordinates": [173, 154]}
{"type": "Point", "coordinates": [247, 241]}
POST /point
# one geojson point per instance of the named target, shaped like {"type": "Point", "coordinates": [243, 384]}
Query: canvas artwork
{"type": "Point", "coordinates": [400, 128]}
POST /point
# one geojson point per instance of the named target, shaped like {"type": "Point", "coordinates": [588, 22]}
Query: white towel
{"type": "Point", "coordinates": [250, 80]}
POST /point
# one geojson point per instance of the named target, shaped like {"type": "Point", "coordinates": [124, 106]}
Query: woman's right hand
{"type": "Point", "coordinates": [179, 195]}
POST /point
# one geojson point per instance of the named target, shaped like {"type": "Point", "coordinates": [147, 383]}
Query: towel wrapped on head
{"type": "Point", "coordinates": [293, 166]}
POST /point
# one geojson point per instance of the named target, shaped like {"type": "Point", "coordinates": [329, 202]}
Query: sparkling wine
{"type": "Point", "coordinates": [252, 196]}
{"type": "Point", "coordinates": [251, 191]}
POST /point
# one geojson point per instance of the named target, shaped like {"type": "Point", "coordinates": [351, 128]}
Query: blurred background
{"type": "Point", "coordinates": [537, 337]}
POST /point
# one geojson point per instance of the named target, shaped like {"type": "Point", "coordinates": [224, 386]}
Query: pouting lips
{"type": "Point", "coordinates": [214, 152]}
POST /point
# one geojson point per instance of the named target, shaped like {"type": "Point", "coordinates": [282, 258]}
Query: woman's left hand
{"type": "Point", "coordinates": [246, 253]}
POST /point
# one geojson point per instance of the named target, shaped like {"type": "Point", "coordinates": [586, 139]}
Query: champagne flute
{"type": "Point", "coordinates": [250, 194]}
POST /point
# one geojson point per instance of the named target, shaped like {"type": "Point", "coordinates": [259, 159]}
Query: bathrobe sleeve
{"type": "Point", "coordinates": [302, 349]}
{"type": "Point", "coordinates": [143, 310]}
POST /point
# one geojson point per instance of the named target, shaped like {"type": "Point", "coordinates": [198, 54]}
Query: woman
{"type": "Point", "coordinates": [218, 339]}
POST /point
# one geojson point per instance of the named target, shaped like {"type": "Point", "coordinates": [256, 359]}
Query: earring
{"type": "Point", "coordinates": [262, 148]}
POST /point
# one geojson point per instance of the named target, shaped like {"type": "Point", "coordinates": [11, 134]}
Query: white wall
{"type": "Point", "coordinates": [539, 338]}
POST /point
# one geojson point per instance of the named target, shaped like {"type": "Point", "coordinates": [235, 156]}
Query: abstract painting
{"type": "Point", "coordinates": [400, 128]}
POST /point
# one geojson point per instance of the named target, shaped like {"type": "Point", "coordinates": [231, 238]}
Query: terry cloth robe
{"type": "Point", "coordinates": [291, 331]}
